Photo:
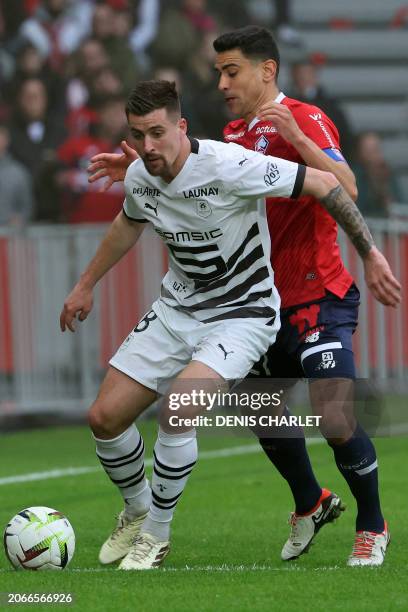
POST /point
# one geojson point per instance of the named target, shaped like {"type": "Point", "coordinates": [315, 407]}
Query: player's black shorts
{"type": "Point", "coordinates": [314, 340]}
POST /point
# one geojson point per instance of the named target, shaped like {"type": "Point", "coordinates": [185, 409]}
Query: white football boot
{"type": "Point", "coordinates": [369, 548]}
{"type": "Point", "coordinates": [305, 527]}
{"type": "Point", "coordinates": [120, 541]}
{"type": "Point", "coordinates": [146, 553]}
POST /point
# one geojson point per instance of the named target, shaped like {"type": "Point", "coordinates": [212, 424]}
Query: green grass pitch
{"type": "Point", "coordinates": [226, 539]}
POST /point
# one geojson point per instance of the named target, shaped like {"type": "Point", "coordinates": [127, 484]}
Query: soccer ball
{"type": "Point", "coordinates": [39, 538]}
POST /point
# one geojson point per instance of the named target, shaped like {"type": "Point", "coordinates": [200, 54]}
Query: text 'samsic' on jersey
{"type": "Point", "coordinates": [212, 219]}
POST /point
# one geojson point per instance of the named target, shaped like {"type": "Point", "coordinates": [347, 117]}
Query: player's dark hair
{"type": "Point", "coordinates": [253, 41]}
{"type": "Point", "coordinates": [149, 96]}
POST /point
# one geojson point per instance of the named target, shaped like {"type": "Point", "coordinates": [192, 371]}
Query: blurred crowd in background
{"type": "Point", "coordinates": [66, 67]}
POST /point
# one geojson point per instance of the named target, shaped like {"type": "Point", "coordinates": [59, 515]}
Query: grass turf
{"type": "Point", "coordinates": [227, 534]}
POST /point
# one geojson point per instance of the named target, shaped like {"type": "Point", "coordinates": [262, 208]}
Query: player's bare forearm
{"type": "Point", "coordinates": [316, 158]}
{"type": "Point", "coordinates": [378, 274]}
{"type": "Point", "coordinates": [342, 208]}
{"type": "Point", "coordinates": [120, 237]}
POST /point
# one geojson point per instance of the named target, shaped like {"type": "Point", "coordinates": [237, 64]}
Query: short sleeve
{"type": "Point", "coordinates": [132, 212]}
{"type": "Point", "coordinates": [131, 209]}
{"type": "Point", "coordinates": [318, 127]}
{"type": "Point", "coordinates": [252, 174]}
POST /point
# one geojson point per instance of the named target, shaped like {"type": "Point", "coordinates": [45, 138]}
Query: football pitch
{"type": "Point", "coordinates": [227, 533]}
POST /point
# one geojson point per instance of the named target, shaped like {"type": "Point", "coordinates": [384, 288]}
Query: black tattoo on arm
{"type": "Point", "coordinates": [342, 208]}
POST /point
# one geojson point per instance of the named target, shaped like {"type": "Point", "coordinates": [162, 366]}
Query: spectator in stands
{"type": "Point", "coordinates": [283, 23]}
{"type": "Point", "coordinates": [377, 186]}
{"type": "Point", "coordinates": [31, 64]}
{"type": "Point", "coordinates": [208, 116]}
{"type": "Point", "coordinates": [176, 39]}
{"type": "Point", "coordinates": [147, 14]}
{"type": "Point", "coordinates": [90, 58]}
{"type": "Point", "coordinates": [16, 202]}
{"type": "Point", "coordinates": [121, 58]}
{"type": "Point", "coordinates": [34, 138]}
{"type": "Point", "coordinates": [105, 83]}
{"type": "Point", "coordinates": [275, 14]}
{"type": "Point", "coordinates": [12, 15]}
{"type": "Point", "coordinates": [230, 14]}
{"type": "Point", "coordinates": [197, 13]}
{"type": "Point", "coordinates": [57, 28]}
{"type": "Point", "coordinates": [81, 201]}
{"type": "Point", "coordinates": [34, 135]}
{"type": "Point", "coordinates": [6, 58]}
{"type": "Point", "coordinates": [307, 88]}
{"type": "Point", "coordinates": [88, 62]}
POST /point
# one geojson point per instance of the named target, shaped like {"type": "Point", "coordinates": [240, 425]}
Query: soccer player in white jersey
{"type": "Point", "coordinates": [218, 311]}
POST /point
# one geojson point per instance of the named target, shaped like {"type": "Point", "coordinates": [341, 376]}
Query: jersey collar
{"type": "Point", "coordinates": [278, 100]}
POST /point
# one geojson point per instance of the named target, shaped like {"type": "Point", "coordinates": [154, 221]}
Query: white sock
{"type": "Point", "coordinates": [174, 459]}
{"type": "Point", "coordinates": [122, 458]}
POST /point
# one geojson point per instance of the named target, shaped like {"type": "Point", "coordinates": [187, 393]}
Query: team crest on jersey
{"type": "Point", "coordinates": [204, 210]}
{"type": "Point", "coordinates": [262, 144]}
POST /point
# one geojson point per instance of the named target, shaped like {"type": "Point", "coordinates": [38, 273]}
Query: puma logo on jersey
{"type": "Point", "coordinates": [242, 162]}
{"type": "Point", "coordinates": [226, 353]}
{"type": "Point", "coordinates": [147, 205]}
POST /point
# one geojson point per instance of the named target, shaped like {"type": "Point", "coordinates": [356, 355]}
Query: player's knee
{"type": "Point", "coordinates": [103, 421]}
{"type": "Point", "coordinates": [337, 426]}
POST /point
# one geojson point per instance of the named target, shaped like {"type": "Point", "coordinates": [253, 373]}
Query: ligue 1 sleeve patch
{"type": "Point", "coordinates": [334, 154]}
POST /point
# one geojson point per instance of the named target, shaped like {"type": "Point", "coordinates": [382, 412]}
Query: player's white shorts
{"type": "Point", "coordinates": [166, 340]}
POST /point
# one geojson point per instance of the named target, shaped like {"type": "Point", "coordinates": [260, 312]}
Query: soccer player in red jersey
{"type": "Point", "coordinates": [319, 299]}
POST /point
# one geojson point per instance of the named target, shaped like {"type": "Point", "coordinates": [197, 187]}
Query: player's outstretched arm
{"type": "Point", "coordinates": [287, 126]}
{"type": "Point", "coordinates": [120, 237]}
{"type": "Point", "coordinates": [111, 165]}
{"type": "Point", "coordinates": [379, 277]}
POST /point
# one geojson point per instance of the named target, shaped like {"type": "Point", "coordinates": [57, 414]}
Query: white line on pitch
{"type": "Point", "coordinates": [247, 449]}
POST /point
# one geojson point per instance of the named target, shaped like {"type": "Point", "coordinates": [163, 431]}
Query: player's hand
{"type": "Point", "coordinates": [380, 279]}
{"type": "Point", "coordinates": [78, 304]}
{"type": "Point", "coordinates": [282, 119]}
{"type": "Point", "coordinates": [111, 165]}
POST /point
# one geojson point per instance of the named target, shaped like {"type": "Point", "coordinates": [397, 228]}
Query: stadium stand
{"type": "Point", "coordinates": [363, 49]}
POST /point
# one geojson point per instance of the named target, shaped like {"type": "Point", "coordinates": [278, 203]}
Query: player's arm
{"type": "Point", "coordinates": [120, 237]}
{"type": "Point", "coordinates": [379, 278]}
{"type": "Point", "coordinates": [288, 127]}
{"type": "Point", "coordinates": [112, 166]}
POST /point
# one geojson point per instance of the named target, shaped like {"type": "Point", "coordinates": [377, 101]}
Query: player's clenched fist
{"type": "Point", "coordinates": [282, 119]}
{"type": "Point", "coordinates": [78, 304]}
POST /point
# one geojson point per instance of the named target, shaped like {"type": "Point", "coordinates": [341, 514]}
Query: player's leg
{"type": "Point", "coordinates": [330, 366]}
{"type": "Point", "coordinates": [286, 448]}
{"type": "Point", "coordinates": [120, 449]}
{"type": "Point", "coordinates": [222, 352]}
{"type": "Point", "coordinates": [130, 386]}
{"type": "Point", "coordinates": [175, 454]}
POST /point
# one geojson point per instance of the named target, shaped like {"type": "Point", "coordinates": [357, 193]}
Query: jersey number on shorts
{"type": "Point", "coordinates": [145, 322]}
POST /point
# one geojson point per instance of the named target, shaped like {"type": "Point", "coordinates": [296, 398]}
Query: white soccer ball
{"type": "Point", "coordinates": [39, 538]}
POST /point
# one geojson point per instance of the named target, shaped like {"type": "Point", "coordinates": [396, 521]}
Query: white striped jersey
{"type": "Point", "coordinates": [212, 218]}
